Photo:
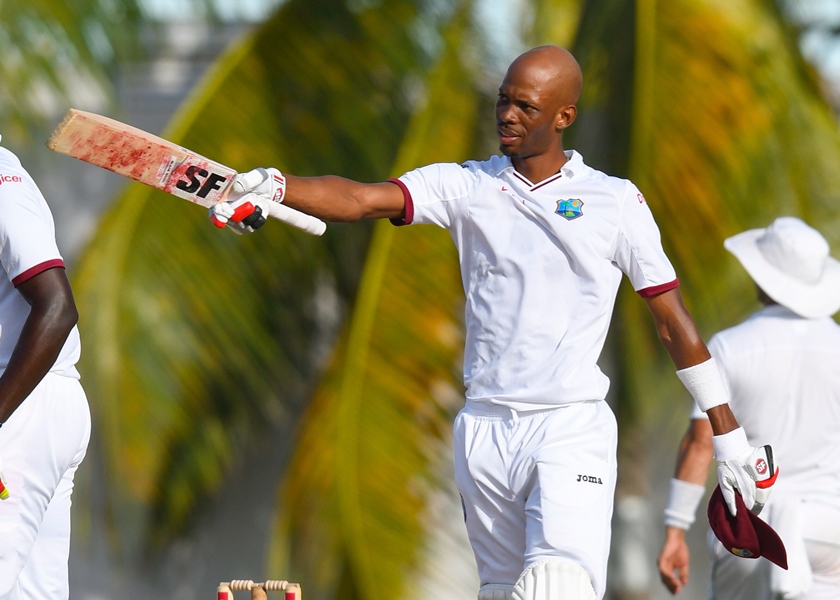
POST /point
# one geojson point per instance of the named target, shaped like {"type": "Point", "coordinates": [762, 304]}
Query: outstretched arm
{"type": "Point", "coordinates": [335, 198]}
{"type": "Point", "coordinates": [330, 198]}
{"type": "Point", "coordinates": [686, 491]}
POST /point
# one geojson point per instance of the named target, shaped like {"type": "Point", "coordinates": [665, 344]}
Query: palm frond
{"type": "Point", "coordinates": [712, 112]}
{"type": "Point", "coordinates": [208, 335]}
{"type": "Point", "coordinates": [367, 464]}
{"type": "Point", "coordinates": [57, 52]}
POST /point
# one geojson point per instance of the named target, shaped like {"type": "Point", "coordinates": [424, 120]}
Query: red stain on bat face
{"type": "Point", "coordinates": [145, 158]}
{"type": "Point", "coordinates": [118, 151]}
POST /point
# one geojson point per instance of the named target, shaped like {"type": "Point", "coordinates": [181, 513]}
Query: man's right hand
{"type": "Point", "coordinates": [673, 560]}
{"type": "Point", "coordinates": [243, 215]}
{"type": "Point", "coordinates": [247, 206]}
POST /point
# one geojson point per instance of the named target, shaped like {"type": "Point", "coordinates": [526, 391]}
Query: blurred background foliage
{"type": "Point", "coordinates": [202, 346]}
{"type": "Point", "coordinates": [59, 52]}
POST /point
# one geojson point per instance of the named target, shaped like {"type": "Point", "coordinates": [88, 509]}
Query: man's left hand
{"type": "Point", "coordinates": [752, 474]}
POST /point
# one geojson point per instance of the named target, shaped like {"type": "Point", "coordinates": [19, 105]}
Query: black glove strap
{"type": "Point", "coordinates": [255, 220]}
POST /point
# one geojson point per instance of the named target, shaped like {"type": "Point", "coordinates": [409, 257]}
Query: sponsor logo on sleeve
{"type": "Point", "coordinates": [10, 179]}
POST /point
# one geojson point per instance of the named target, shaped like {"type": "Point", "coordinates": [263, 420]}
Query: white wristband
{"type": "Point", "coordinates": [683, 500]}
{"type": "Point", "coordinates": [732, 445]}
{"type": "Point", "coordinates": [705, 384]}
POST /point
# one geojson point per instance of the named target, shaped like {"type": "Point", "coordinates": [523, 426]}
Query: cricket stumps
{"type": "Point", "coordinates": [258, 590]}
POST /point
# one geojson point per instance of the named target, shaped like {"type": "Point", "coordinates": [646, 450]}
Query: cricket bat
{"type": "Point", "coordinates": [156, 162]}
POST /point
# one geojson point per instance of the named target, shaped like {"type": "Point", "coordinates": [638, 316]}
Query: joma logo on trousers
{"type": "Point", "coordinates": [590, 479]}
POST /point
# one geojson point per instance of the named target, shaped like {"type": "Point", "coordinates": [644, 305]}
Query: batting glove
{"type": "Point", "coordinates": [750, 471]}
{"type": "Point", "coordinates": [245, 215]}
{"type": "Point", "coordinates": [247, 206]}
{"type": "Point", "coordinates": [4, 491]}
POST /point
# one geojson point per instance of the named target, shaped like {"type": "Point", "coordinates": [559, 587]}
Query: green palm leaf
{"type": "Point", "coordinates": [710, 109]}
{"type": "Point", "coordinates": [55, 51]}
{"type": "Point", "coordinates": [204, 334]}
{"type": "Point", "coordinates": [366, 465]}
{"type": "Point", "coordinates": [206, 342]}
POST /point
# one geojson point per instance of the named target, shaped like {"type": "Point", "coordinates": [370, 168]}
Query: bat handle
{"type": "Point", "coordinates": [295, 218]}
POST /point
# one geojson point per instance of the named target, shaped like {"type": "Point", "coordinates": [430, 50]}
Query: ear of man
{"type": "Point", "coordinates": [566, 116]}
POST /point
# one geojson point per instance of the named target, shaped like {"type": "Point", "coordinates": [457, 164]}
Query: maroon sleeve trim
{"type": "Point", "coordinates": [658, 289]}
{"type": "Point", "coordinates": [36, 270]}
{"type": "Point", "coordinates": [409, 204]}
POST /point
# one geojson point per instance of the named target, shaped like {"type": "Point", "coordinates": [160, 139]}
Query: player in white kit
{"type": "Point", "coordinates": [43, 409]}
{"type": "Point", "coordinates": [781, 368]}
{"type": "Point", "coordinates": [543, 240]}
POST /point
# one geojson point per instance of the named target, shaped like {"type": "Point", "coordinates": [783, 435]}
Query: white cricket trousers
{"type": "Point", "coordinates": [537, 485]}
{"type": "Point", "coordinates": [41, 446]}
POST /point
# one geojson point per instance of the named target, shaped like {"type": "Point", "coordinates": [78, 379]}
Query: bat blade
{"type": "Point", "coordinates": [141, 156]}
{"type": "Point", "coordinates": [156, 162]}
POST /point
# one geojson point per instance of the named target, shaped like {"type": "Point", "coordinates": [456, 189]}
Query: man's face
{"type": "Point", "coordinates": [525, 116]}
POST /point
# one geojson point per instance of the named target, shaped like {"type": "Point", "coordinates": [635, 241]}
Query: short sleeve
{"type": "Point", "coordinates": [437, 194]}
{"type": "Point", "coordinates": [639, 252]}
{"type": "Point", "coordinates": [27, 232]}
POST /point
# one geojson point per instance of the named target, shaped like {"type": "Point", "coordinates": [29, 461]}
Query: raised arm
{"type": "Point", "coordinates": [329, 197]}
{"type": "Point", "coordinates": [335, 198]}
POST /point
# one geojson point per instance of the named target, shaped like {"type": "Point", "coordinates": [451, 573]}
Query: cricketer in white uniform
{"type": "Point", "coordinates": [543, 242]}
{"type": "Point", "coordinates": [43, 409]}
{"type": "Point", "coordinates": [537, 480]}
{"type": "Point", "coordinates": [781, 367]}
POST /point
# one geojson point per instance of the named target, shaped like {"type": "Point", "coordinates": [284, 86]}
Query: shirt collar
{"type": "Point", "coordinates": [573, 165]}
{"type": "Point", "coordinates": [777, 310]}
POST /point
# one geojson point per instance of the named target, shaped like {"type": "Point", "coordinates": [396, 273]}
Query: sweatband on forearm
{"type": "Point", "coordinates": [705, 384]}
{"type": "Point", "coordinates": [732, 445]}
{"type": "Point", "coordinates": [683, 500]}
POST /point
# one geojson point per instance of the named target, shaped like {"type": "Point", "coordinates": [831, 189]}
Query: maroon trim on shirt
{"type": "Point", "coordinates": [649, 292]}
{"type": "Point", "coordinates": [547, 181]}
{"type": "Point", "coordinates": [409, 204]}
{"type": "Point", "coordinates": [532, 186]}
{"type": "Point", "coordinates": [521, 178]}
{"type": "Point", "coordinates": [37, 270]}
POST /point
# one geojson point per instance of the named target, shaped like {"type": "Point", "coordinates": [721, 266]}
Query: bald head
{"type": "Point", "coordinates": [536, 103]}
{"type": "Point", "coordinates": [552, 70]}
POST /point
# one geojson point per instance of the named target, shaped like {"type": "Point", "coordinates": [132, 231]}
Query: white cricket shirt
{"type": "Point", "coordinates": [783, 375]}
{"type": "Point", "coordinates": [27, 248]}
{"type": "Point", "coordinates": [541, 264]}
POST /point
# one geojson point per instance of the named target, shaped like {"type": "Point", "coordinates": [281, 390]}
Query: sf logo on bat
{"type": "Point", "coordinates": [198, 181]}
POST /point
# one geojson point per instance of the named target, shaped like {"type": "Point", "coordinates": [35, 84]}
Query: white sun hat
{"type": "Point", "coordinates": [790, 261]}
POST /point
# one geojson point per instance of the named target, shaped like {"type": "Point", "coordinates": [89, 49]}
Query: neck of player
{"type": "Point", "coordinates": [540, 167]}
